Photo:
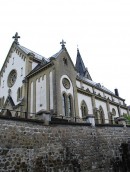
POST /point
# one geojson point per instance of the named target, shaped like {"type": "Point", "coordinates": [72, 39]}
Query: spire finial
{"type": "Point", "coordinates": [63, 44]}
{"type": "Point", "coordinates": [16, 37]}
{"type": "Point", "coordinates": [77, 47]}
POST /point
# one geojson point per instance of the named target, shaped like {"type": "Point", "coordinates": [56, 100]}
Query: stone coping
{"type": "Point", "coordinates": [41, 122]}
{"type": "Point", "coordinates": [21, 119]}
{"type": "Point", "coordinates": [69, 123]}
{"type": "Point", "coordinates": [109, 125]}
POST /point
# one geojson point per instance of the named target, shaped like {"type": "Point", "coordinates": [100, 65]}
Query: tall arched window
{"type": "Point", "coordinates": [112, 115]}
{"type": "Point", "coordinates": [101, 115]}
{"type": "Point", "coordinates": [41, 96]}
{"type": "Point", "coordinates": [3, 99]}
{"type": "Point", "coordinates": [21, 92]}
{"type": "Point", "coordinates": [114, 112]}
{"type": "Point", "coordinates": [0, 103]}
{"type": "Point", "coordinates": [18, 94]}
{"type": "Point", "coordinates": [84, 110]}
{"type": "Point", "coordinates": [70, 105]}
{"type": "Point", "coordinates": [64, 104]}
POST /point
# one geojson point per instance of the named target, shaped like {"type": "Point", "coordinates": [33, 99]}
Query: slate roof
{"type": "Point", "coordinates": [80, 67]}
{"type": "Point", "coordinates": [44, 60]}
{"type": "Point", "coordinates": [27, 51]}
{"type": "Point", "coordinates": [40, 65]}
{"type": "Point", "coordinates": [98, 85]}
{"type": "Point", "coordinates": [57, 54]}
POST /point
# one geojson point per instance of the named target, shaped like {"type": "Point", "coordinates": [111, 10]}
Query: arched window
{"type": "Point", "coordinates": [21, 92]}
{"type": "Point", "coordinates": [3, 99]}
{"type": "Point", "coordinates": [0, 103]}
{"type": "Point", "coordinates": [101, 115]}
{"type": "Point", "coordinates": [84, 110]}
{"type": "Point", "coordinates": [18, 94]}
{"type": "Point", "coordinates": [70, 106]}
{"type": "Point", "coordinates": [112, 115]}
{"type": "Point", "coordinates": [41, 96]}
{"type": "Point", "coordinates": [64, 104]}
{"type": "Point", "coordinates": [114, 112]}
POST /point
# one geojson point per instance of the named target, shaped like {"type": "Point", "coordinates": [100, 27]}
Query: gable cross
{"type": "Point", "coordinates": [63, 44]}
{"type": "Point", "coordinates": [16, 37]}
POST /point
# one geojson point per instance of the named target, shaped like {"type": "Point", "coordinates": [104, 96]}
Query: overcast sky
{"type": "Point", "coordinates": [100, 28]}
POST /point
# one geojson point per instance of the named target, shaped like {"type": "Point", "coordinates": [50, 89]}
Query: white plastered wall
{"type": "Point", "coordinates": [15, 62]}
{"type": "Point", "coordinates": [88, 101]}
{"type": "Point", "coordinates": [121, 102]}
{"type": "Point", "coordinates": [84, 86]}
{"type": "Point", "coordinates": [41, 100]}
{"type": "Point", "coordinates": [99, 92]}
{"type": "Point", "coordinates": [107, 96]}
{"type": "Point", "coordinates": [123, 111]}
{"type": "Point", "coordinates": [116, 100]}
{"type": "Point", "coordinates": [78, 84]}
{"type": "Point", "coordinates": [34, 64]}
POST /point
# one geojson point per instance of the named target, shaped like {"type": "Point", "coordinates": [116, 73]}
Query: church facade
{"type": "Point", "coordinates": [31, 85]}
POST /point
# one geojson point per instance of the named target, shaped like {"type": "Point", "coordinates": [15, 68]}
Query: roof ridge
{"type": "Point", "coordinates": [56, 54]}
{"type": "Point", "coordinates": [26, 50]}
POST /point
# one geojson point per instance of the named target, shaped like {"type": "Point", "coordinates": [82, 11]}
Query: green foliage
{"type": "Point", "coordinates": [127, 117]}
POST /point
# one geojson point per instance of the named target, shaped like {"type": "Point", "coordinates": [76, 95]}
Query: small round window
{"type": "Point", "coordinates": [66, 83]}
{"type": "Point", "coordinates": [12, 78]}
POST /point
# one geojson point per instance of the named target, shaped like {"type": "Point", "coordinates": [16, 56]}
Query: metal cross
{"type": "Point", "coordinates": [63, 44]}
{"type": "Point", "coordinates": [16, 37]}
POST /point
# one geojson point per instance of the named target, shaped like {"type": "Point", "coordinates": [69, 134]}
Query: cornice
{"type": "Point", "coordinates": [94, 86]}
{"type": "Point", "coordinates": [85, 92]}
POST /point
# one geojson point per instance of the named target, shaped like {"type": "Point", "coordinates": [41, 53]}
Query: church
{"type": "Point", "coordinates": [32, 86]}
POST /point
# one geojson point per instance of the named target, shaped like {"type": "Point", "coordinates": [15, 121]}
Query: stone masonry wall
{"type": "Point", "coordinates": [32, 147]}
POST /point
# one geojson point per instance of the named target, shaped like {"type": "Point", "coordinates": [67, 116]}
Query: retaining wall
{"type": "Point", "coordinates": [34, 147]}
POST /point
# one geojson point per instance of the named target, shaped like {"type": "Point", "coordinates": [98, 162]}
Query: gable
{"type": "Point", "coordinates": [23, 53]}
{"type": "Point", "coordinates": [12, 55]}
{"type": "Point", "coordinates": [64, 56]}
{"type": "Point", "coordinates": [63, 62]}
{"type": "Point", "coordinates": [12, 73]}
{"type": "Point", "coordinates": [9, 108]}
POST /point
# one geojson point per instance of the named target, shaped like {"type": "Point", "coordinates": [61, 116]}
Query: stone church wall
{"type": "Point", "coordinates": [34, 147]}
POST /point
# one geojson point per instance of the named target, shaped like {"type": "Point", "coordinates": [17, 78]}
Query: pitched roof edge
{"type": "Point", "coordinates": [38, 70]}
{"type": "Point", "coordinates": [59, 52]}
{"type": "Point", "coordinates": [13, 44]}
{"type": "Point", "coordinates": [94, 84]}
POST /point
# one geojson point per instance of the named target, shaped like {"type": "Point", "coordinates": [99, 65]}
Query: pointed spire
{"type": "Point", "coordinates": [80, 67]}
